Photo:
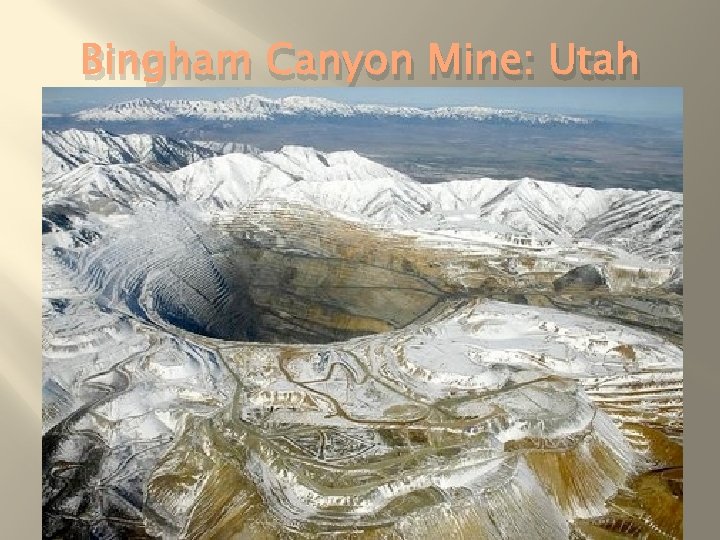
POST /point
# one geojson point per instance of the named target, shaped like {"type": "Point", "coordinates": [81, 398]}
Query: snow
{"type": "Point", "coordinates": [254, 107]}
{"type": "Point", "coordinates": [111, 171]}
{"type": "Point", "coordinates": [473, 379]}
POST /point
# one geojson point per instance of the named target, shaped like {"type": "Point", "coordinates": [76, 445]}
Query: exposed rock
{"type": "Point", "coordinates": [307, 345]}
{"type": "Point", "coordinates": [583, 278]}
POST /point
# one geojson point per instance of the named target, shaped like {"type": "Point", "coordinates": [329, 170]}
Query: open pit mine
{"type": "Point", "coordinates": [298, 345]}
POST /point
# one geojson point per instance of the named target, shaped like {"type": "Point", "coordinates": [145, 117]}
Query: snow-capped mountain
{"type": "Point", "coordinates": [309, 344]}
{"type": "Point", "coordinates": [65, 150]}
{"type": "Point", "coordinates": [254, 107]}
{"type": "Point", "coordinates": [114, 173]}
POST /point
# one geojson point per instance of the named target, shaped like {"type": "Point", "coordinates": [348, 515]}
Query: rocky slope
{"type": "Point", "coordinates": [648, 223]}
{"type": "Point", "coordinates": [299, 344]}
{"type": "Point", "coordinates": [63, 151]}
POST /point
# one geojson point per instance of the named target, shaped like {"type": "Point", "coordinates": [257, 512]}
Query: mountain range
{"type": "Point", "coordinates": [255, 107]}
{"type": "Point", "coordinates": [101, 170]}
{"type": "Point", "coordinates": [304, 344]}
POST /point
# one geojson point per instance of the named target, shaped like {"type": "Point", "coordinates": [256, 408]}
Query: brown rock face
{"type": "Point", "coordinates": [310, 377]}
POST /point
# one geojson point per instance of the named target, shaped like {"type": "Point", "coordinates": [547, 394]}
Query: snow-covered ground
{"type": "Point", "coordinates": [254, 107]}
{"type": "Point", "coordinates": [123, 171]}
{"type": "Point", "coordinates": [436, 423]}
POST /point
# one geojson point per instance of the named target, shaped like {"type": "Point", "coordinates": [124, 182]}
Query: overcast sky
{"type": "Point", "coordinates": [618, 101]}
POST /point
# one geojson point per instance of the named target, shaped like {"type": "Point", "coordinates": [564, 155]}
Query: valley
{"type": "Point", "coordinates": [246, 339]}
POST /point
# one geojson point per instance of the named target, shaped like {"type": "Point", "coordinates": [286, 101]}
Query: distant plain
{"type": "Point", "coordinates": [610, 152]}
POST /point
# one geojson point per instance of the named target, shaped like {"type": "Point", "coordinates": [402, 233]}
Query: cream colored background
{"type": "Point", "coordinates": [41, 43]}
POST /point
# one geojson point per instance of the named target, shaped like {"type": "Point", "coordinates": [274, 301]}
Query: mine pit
{"type": "Point", "coordinates": [265, 296]}
{"type": "Point", "coordinates": [232, 285]}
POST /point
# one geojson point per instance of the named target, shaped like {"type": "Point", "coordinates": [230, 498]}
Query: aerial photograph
{"type": "Point", "coordinates": [362, 313]}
